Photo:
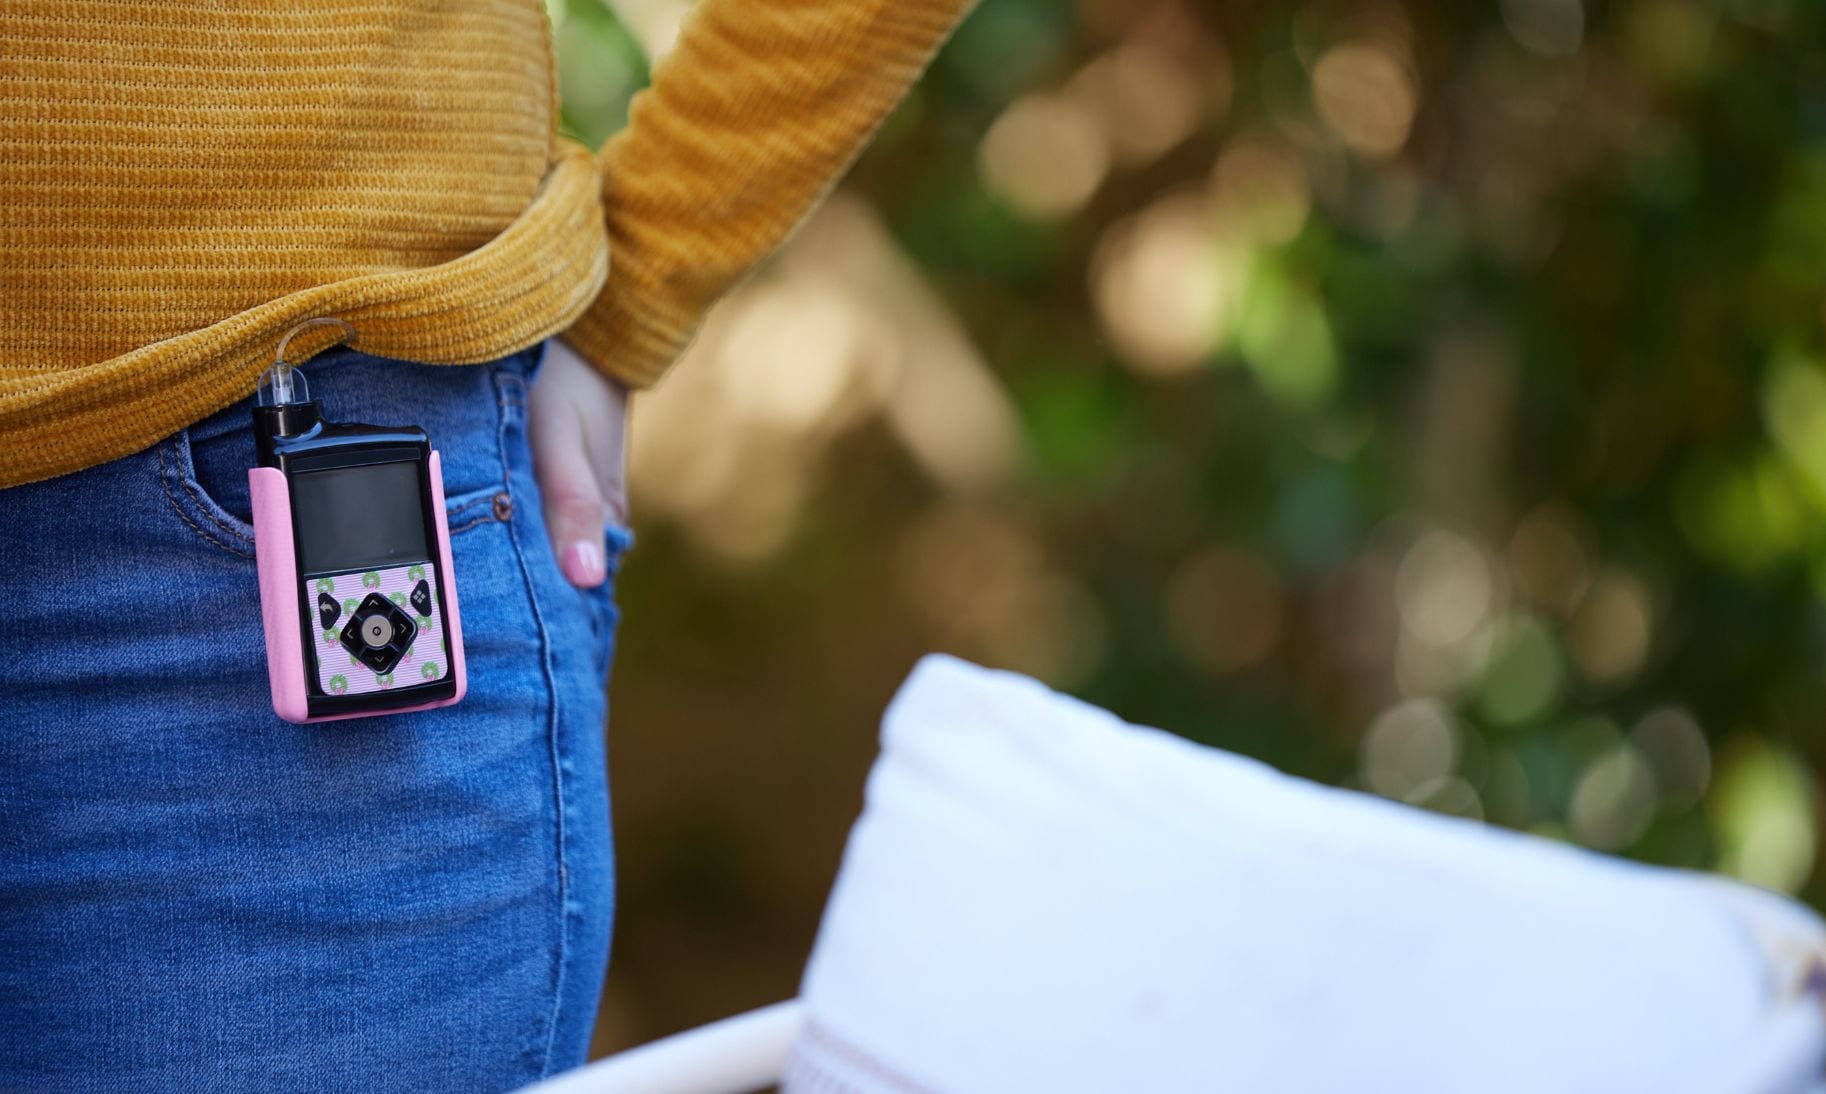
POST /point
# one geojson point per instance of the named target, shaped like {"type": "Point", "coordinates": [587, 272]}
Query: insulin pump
{"type": "Point", "coordinates": [357, 592]}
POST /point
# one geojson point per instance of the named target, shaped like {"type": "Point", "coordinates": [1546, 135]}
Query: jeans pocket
{"type": "Point", "coordinates": [605, 614]}
{"type": "Point", "coordinates": [204, 468]}
{"type": "Point", "coordinates": [513, 380]}
{"type": "Point", "coordinates": [207, 495]}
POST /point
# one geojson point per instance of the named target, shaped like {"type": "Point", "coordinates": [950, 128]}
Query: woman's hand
{"type": "Point", "coordinates": [577, 423]}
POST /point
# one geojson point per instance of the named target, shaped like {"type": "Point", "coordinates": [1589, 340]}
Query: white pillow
{"type": "Point", "coordinates": [1039, 897]}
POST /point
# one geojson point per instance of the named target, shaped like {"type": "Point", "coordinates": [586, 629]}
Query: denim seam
{"type": "Point", "coordinates": [459, 510]}
{"type": "Point", "coordinates": [510, 390]}
{"type": "Point", "coordinates": [178, 508]}
{"type": "Point", "coordinates": [185, 473]}
{"type": "Point", "coordinates": [504, 381]}
{"type": "Point", "coordinates": [205, 504]}
{"type": "Point", "coordinates": [200, 506]}
{"type": "Point", "coordinates": [486, 518]}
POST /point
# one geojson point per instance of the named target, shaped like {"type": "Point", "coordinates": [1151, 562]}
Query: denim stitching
{"type": "Point", "coordinates": [510, 390]}
{"type": "Point", "coordinates": [205, 505]}
{"type": "Point", "coordinates": [178, 508]}
{"type": "Point", "coordinates": [475, 503]}
{"type": "Point", "coordinates": [467, 506]}
{"type": "Point", "coordinates": [507, 382]}
{"type": "Point", "coordinates": [486, 518]}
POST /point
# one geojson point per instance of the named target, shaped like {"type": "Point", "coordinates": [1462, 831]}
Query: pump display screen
{"type": "Point", "coordinates": [359, 518]}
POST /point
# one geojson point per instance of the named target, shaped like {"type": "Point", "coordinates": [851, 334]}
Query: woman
{"type": "Point", "coordinates": [194, 894]}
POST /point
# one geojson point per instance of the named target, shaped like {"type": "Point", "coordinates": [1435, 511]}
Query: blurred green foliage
{"type": "Point", "coordinates": [1483, 463]}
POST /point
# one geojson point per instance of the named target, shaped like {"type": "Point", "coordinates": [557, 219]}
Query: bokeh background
{"type": "Point", "coordinates": [1428, 398]}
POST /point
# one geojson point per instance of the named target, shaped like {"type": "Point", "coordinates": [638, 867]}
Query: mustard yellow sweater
{"type": "Point", "coordinates": [181, 181]}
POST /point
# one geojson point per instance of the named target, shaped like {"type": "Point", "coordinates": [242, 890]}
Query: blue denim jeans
{"type": "Point", "coordinates": [197, 896]}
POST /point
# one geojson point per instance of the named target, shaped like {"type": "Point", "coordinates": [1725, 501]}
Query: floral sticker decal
{"type": "Point", "coordinates": [326, 584]}
{"type": "Point", "coordinates": [339, 672]}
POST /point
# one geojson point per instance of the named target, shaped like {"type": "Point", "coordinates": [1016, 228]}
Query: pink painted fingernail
{"type": "Point", "coordinates": [583, 563]}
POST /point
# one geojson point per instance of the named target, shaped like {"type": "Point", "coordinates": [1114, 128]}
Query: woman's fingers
{"type": "Point", "coordinates": [576, 425]}
{"type": "Point", "coordinates": [574, 506]}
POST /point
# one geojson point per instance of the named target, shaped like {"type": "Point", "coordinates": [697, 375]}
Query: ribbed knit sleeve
{"type": "Point", "coordinates": [749, 122]}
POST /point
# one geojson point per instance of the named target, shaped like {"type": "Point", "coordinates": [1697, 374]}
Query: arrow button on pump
{"type": "Point", "coordinates": [328, 610]}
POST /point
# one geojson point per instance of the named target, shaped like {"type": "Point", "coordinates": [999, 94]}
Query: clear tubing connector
{"type": "Point", "coordinates": [283, 384]}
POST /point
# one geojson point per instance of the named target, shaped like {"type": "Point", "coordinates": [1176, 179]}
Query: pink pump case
{"type": "Point", "coordinates": [302, 659]}
{"type": "Point", "coordinates": [357, 591]}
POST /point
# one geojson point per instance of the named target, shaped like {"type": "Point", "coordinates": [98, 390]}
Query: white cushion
{"type": "Point", "coordinates": [1040, 897]}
